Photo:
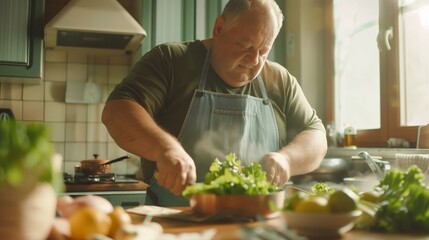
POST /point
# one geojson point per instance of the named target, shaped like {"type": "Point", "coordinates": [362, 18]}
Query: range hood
{"type": "Point", "coordinates": [94, 26]}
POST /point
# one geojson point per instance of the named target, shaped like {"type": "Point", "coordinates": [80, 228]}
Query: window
{"type": "Point", "coordinates": [380, 75]}
{"type": "Point", "coordinates": [186, 20]}
{"type": "Point", "coordinates": [414, 64]}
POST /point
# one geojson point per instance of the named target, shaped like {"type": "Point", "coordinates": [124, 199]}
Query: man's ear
{"type": "Point", "coordinates": [218, 26]}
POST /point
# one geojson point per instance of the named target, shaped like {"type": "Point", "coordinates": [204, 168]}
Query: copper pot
{"type": "Point", "coordinates": [97, 166]}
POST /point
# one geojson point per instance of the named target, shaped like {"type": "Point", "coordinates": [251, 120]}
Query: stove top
{"type": "Point", "coordinates": [81, 178]}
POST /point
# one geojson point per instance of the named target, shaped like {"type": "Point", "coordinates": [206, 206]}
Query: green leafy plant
{"type": "Point", "coordinates": [26, 150]}
{"type": "Point", "coordinates": [231, 177]}
{"type": "Point", "coordinates": [404, 203]}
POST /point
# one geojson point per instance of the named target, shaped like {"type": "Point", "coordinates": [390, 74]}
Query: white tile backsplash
{"type": "Point", "coordinates": [99, 148]}
{"type": "Point", "coordinates": [101, 73]}
{"type": "Point", "coordinates": [76, 132]}
{"type": "Point", "coordinates": [58, 131]}
{"type": "Point", "coordinates": [77, 72]}
{"type": "Point", "coordinates": [76, 129]}
{"type": "Point", "coordinates": [32, 110]}
{"type": "Point", "coordinates": [16, 107]}
{"type": "Point", "coordinates": [117, 73]}
{"type": "Point", "coordinates": [33, 92]}
{"type": "Point", "coordinates": [55, 72]}
{"type": "Point", "coordinates": [55, 91]}
{"type": "Point", "coordinates": [9, 91]}
{"type": "Point", "coordinates": [76, 151]}
{"type": "Point", "coordinates": [96, 132]}
{"type": "Point", "coordinates": [77, 57]}
{"type": "Point", "coordinates": [55, 112]}
{"type": "Point", "coordinates": [55, 56]}
{"type": "Point", "coordinates": [94, 112]}
{"type": "Point", "coordinates": [76, 112]}
{"type": "Point", "coordinates": [113, 151]}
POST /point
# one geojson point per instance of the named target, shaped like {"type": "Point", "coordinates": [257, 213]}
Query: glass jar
{"type": "Point", "coordinates": [349, 137]}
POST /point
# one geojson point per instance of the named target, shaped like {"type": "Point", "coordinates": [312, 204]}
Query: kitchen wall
{"type": "Point", "coordinates": [305, 49]}
{"type": "Point", "coordinates": [76, 129]}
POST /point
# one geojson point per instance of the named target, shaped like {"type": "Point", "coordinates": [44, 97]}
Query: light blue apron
{"type": "Point", "coordinates": [218, 124]}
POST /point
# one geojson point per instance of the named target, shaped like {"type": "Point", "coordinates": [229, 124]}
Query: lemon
{"type": "Point", "coordinates": [119, 217]}
{"type": "Point", "coordinates": [343, 201]}
{"type": "Point", "coordinates": [292, 201]}
{"type": "Point", "coordinates": [371, 196]}
{"type": "Point", "coordinates": [87, 221]}
{"type": "Point", "coordinates": [315, 204]}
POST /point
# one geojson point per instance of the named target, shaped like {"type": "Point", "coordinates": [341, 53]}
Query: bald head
{"type": "Point", "coordinates": [235, 8]}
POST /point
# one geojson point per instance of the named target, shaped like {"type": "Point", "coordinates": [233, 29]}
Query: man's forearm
{"type": "Point", "coordinates": [305, 152]}
{"type": "Point", "coordinates": [134, 130]}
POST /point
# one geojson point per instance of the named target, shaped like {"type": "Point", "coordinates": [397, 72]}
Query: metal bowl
{"type": "Point", "coordinates": [246, 206]}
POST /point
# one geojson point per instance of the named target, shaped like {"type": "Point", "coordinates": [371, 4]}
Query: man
{"type": "Point", "coordinates": [184, 104]}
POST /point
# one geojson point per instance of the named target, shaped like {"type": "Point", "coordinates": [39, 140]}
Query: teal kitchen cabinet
{"type": "Point", "coordinates": [21, 40]}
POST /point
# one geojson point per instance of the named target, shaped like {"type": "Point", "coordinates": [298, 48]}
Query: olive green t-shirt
{"type": "Point", "coordinates": [164, 80]}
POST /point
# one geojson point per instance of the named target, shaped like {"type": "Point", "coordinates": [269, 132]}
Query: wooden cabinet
{"type": "Point", "coordinates": [21, 40]}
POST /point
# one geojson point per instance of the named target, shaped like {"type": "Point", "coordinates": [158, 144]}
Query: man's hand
{"type": "Point", "coordinates": [277, 167]}
{"type": "Point", "coordinates": [176, 170]}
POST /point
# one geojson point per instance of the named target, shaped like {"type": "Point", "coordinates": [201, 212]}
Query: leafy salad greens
{"type": "Point", "coordinates": [404, 203]}
{"type": "Point", "coordinates": [231, 177]}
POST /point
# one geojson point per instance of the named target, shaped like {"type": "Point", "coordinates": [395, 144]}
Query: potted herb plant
{"type": "Point", "coordinates": [29, 180]}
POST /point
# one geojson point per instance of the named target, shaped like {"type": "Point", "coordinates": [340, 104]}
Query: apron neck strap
{"type": "Point", "coordinates": [203, 79]}
{"type": "Point", "coordinates": [265, 100]}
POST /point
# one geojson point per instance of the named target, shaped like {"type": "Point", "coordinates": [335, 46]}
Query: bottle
{"type": "Point", "coordinates": [331, 135]}
{"type": "Point", "coordinates": [349, 137]}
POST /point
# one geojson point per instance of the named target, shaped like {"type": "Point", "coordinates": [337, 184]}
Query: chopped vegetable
{"type": "Point", "coordinates": [231, 177]}
{"type": "Point", "coordinates": [322, 188]}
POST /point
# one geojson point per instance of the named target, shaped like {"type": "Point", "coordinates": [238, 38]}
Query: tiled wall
{"type": "Point", "coordinates": [76, 129]}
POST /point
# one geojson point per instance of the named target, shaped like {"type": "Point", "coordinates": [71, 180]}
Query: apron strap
{"type": "Point", "coordinates": [202, 83]}
{"type": "Point", "coordinates": [265, 100]}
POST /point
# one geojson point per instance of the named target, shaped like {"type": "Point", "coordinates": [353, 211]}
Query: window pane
{"type": "Point", "coordinates": [414, 39]}
{"type": "Point", "coordinates": [168, 21]}
{"type": "Point", "coordinates": [357, 71]}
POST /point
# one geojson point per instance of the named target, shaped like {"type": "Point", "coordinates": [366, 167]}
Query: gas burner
{"type": "Point", "coordinates": [68, 178]}
{"type": "Point", "coordinates": [94, 178]}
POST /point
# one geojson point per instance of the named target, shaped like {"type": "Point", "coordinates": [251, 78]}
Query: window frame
{"type": "Point", "coordinates": [389, 81]}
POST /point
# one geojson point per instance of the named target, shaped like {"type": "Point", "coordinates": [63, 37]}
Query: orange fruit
{"type": "Point", "coordinates": [88, 221]}
{"type": "Point", "coordinates": [119, 217]}
{"type": "Point", "coordinates": [315, 204]}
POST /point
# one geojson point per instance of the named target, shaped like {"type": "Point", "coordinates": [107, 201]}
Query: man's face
{"type": "Point", "coordinates": [241, 47]}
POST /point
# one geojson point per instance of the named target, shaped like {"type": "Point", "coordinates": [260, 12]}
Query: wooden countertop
{"type": "Point", "coordinates": [116, 186]}
{"type": "Point", "coordinates": [231, 231]}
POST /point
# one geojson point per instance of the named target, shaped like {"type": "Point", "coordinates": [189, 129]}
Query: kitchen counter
{"type": "Point", "coordinates": [231, 231]}
{"type": "Point", "coordinates": [115, 186]}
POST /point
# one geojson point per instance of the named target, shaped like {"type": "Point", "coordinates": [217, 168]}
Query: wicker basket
{"type": "Point", "coordinates": [404, 161]}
